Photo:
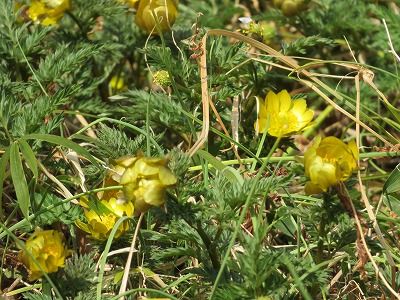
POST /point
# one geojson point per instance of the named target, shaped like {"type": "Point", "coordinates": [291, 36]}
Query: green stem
{"type": "Point", "coordinates": [242, 216]}
{"type": "Point", "coordinates": [212, 251]}
{"type": "Point", "coordinates": [148, 152]}
{"type": "Point", "coordinates": [260, 146]}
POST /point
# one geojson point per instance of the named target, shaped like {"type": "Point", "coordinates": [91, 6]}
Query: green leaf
{"type": "Point", "coordinates": [29, 157]}
{"type": "Point", "coordinates": [3, 165]}
{"type": "Point", "coordinates": [19, 180]}
{"type": "Point", "coordinates": [230, 173]}
{"type": "Point", "coordinates": [58, 140]}
{"type": "Point", "coordinates": [66, 213]}
{"type": "Point", "coordinates": [392, 184]}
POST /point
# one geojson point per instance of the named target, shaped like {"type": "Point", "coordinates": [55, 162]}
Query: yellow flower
{"type": "Point", "coordinates": [46, 248]}
{"type": "Point", "coordinates": [99, 224]}
{"type": "Point", "coordinates": [47, 12]}
{"type": "Point", "coordinates": [117, 83]}
{"type": "Point", "coordinates": [164, 10]}
{"type": "Point", "coordinates": [327, 162]}
{"type": "Point", "coordinates": [280, 116]}
{"type": "Point", "coordinates": [145, 181]}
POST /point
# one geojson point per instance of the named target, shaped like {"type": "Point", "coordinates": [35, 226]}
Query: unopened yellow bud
{"type": "Point", "coordinates": [156, 15]}
{"type": "Point", "coordinates": [145, 181]}
{"type": "Point", "coordinates": [327, 162]}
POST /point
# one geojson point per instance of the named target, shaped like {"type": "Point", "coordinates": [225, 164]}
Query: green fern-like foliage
{"type": "Point", "coordinates": [78, 278]}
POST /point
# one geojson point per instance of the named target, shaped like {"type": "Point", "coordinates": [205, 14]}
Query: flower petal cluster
{"type": "Point", "coordinates": [156, 15]}
{"type": "Point", "coordinates": [101, 221]}
{"type": "Point", "coordinates": [327, 162]}
{"type": "Point", "coordinates": [47, 12]}
{"type": "Point", "coordinates": [145, 180]}
{"type": "Point", "coordinates": [281, 116]}
{"type": "Point", "coordinates": [44, 252]}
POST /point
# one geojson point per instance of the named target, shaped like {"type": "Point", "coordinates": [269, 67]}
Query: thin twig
{"type": "Point", "coordinates": [125, 277]}
{"type": "Point", "coordinates": [390, 41]}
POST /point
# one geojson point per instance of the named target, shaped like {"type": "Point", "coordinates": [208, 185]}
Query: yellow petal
{"type": "Point", "coordinates": [299, 106]}
{"type": "Point", "coordinates": [272, 103]}
{"type": "Point", "coordinates": [354, 149]}
{"type": "Point", "coordinates": [312, 189]}
{"type": "Point", "coordinates": [166, 177]}
{"type": "Point", "coordinates": [285, 102]}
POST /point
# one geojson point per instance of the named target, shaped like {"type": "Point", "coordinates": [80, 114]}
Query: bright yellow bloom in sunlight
{"type": "Point", "coordinates": [47, 12]}
{"type": "Point", "coordinates": [101, 222]}
{"type": "Point", "coordinates": [281, 116]}
{"type": "Point", "coordinates": [153, 12]}
{"type": "Point", "coordinates": [145, 181]}
{"type": "Point", "coordinates": [327, 162]}
{"type": "Point", "coordinates": [46, 248]}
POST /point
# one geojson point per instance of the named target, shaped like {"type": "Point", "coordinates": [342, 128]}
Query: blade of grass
{"type": "Point", "coordinates": [3, 166]}
{"type": "Point", "coordinates": [58, 140]}
{"type": "Point", "coordinates": [19, 180]}
{"type": "Point", "coordinates": [29, 157]}
{"type": "Point", "coordinates": [103, 258]}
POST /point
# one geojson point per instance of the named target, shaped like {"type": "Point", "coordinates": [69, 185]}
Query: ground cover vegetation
{"type": "Point", "coordinates": [216, 149]}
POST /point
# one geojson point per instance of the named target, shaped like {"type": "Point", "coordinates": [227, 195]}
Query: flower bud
{"type": "Point", "coordinates": [289, 8]}
{"type": "Point", "coordinates": [145, 182]}
{"type": "Point", "coordinates": [44, 252]}
{"type": "Point", "coordinates": [156, 15]}
{"type": "Point", "coordinates": [327, 162]}
{"type": "Point", "coordinates": [162, 78]}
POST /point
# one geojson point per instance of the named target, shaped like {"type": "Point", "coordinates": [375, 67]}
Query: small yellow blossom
{"type": "Point", "coordinates": [117, 83]}
{"type": "Point", "coordinates": [145, 181]}
{"type": "Point", "coordinates": [327, 162]}
{"type": "Point", "coordinates": [281, 116]}
{"type": "Point", "coordinates": [47, 12]}
{"type": "Point", "coordinates": [100, 224]}
{"type": "Point", "coordinates": [162, 78]}
{"type": "Point", "coordinates": [44, 252]}
{"type": "Point", "coordinates": [164, 10]}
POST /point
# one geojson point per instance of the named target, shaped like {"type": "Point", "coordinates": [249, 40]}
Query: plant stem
{"type": "Point", "coordinates": [210, 246]}
{"type": "Point", "coordinates": [260, 146]}
{"type": "Point", "coordinates": [125, 277]}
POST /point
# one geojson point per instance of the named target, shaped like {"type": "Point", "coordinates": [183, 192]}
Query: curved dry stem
{"type": "Point", "coordinates": [125, 277]}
